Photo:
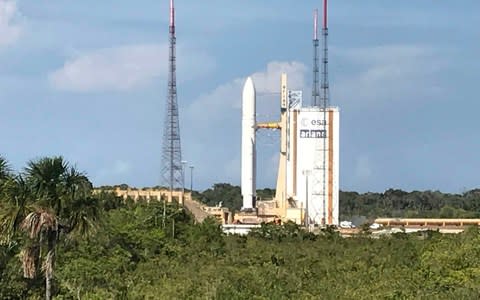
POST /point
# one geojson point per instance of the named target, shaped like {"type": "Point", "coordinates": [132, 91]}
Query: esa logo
{"type": "Point", "coordinates": [308, 122]}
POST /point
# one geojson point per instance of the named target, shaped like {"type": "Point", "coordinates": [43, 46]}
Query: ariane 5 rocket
{"type": "Point", "coordinates": [248, 145]}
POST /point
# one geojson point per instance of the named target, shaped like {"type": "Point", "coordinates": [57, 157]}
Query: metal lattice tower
{"type": "Point", "coordinates": [319, 180]}
{"type": "Point", "coordinates": [172, 171]}
{"type": "Point", "coordinates": [316, 69]}
{"type": "Point", "coordinates": [324, 98]}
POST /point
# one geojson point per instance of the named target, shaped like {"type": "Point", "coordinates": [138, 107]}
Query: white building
{"type": "Point", "coordinates": [308, 173]}
{"type": "Point", "coordinates": [312, 171]}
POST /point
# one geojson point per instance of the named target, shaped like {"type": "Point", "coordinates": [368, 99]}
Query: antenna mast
{"type": "Point", "coordinates": [324, 104]}
{"type": "Point", "coordinates": [320, 168]}
{"type": "Point", "coordinates": [325, 89]}
{"type": "Point", "coordinates": [316, 69]}
{"type": "Point", "coordinates": [172, 171]}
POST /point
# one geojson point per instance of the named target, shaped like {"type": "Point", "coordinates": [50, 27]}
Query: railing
{"type": "Point", "coordinates": [427, 222]}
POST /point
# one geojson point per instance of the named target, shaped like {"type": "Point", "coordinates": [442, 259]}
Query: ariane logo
{"type": "Point", "coordinates": [313, 133]}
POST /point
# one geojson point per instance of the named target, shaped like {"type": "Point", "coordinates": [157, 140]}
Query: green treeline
{"type": "Point", "coordinates": [60, 240]}
{"type": "Point", "coordinates": [391, 203]}
{"type": "Point", "coordinates": [132, 256]}
{"type": "Point", "coordinates": [398, 203]}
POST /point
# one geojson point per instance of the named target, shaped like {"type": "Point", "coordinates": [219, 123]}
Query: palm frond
{"type": "Point", "coordinates": [5, 168]}
{"type": "Point", "coordinates": [10, 218]}
{"type": "Point", "coordinates": [29, 258]}
{"type": "Point", "coordinates": [35, 221]}
{"type": "Point", "coordinates": [85, 216]}
{"type": "Point", "coordinates": [48, 264]}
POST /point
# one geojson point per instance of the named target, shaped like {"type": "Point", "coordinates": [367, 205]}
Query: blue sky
{"type": "Point", "coordinates": [87, 80]}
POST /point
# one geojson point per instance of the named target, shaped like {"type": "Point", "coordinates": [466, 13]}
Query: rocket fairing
{"type": "Point", "coordinates": [248, 145]}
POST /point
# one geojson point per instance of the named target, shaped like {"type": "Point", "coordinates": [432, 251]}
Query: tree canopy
{"type": "Point", "coordinates": [123, 250]}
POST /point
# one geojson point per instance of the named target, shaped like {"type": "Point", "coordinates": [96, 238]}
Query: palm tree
{"type": "Point", "coordinates": [15, 199]}
{"type": "Point", "coordinates": [11, 202]}
{"type": "Point", "coordinates": [49, 201]}
{"type": "Point", "coordinates": [5, 169]}
{"type": "Point", "coordinates": [5, 175]}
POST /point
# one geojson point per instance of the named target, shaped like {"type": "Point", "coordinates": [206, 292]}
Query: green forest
{"type": "Point", "coordinates": [391, 203]}
{"type": "Point", "coordinates": [59, 240]}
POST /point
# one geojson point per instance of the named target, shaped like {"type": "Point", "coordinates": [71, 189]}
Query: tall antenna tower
{"type": "Point", "coordinates": [172, 171]}
{"type": "Point", "coordinates": [319, 188]}
{"type": "Point", "coordinates": [325, 89]}
{"type": "Point", "coordinates": [316, 68]}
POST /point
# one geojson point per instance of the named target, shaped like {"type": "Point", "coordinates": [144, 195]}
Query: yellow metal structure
{"type": "Point", "coordinates": [269, 125]}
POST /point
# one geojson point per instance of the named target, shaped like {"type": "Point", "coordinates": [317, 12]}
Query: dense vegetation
{"type": "Point", "coordinates": [398, 203]}
{"type": "Point", "coordinates": [391, 203]}
{"type": "Point", "coordinates": [107, 249]}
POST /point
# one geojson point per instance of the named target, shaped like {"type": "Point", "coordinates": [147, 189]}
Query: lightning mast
{"type": "Point", "coordinates": [324, 103]}
{"type": "Point", "coordinates": [172, 171]}
{"type": "Point", "coordinates": [319, 180]}
{"type": "Point", "coordinates": [325, 89]}
{"type": "Point", "coordinates": [316, 69]}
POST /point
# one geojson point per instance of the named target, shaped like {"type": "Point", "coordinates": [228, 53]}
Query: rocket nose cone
{"type": "Point", "coordinates": [248, 99]}
{"type": "Point", "coordinates": [248, 86]}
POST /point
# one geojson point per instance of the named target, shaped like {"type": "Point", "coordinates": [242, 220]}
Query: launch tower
{"type": "Point", "coordinates": [307, 190]}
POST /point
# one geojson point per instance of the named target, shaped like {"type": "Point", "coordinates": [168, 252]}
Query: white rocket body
{"type": "Point", "coordinates": [248, 145]}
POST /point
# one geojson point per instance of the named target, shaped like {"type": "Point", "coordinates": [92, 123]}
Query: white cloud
{"type": "Point", "coordinates": [268, 81]}
{"type": "Point", "coordinates": [10, 29]}
{"type": "Point", "coordinates": [226, 99]}
{"type": "Point", "coordinates": [126, 68]}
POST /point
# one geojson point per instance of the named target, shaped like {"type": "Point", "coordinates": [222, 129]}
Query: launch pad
{"type": "Point", "coordinates": [308, 170]}
{"type": "Point", "coordinates": [307, 190]}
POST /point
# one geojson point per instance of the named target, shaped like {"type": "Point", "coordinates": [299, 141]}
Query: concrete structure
{"type": "Point", "coordinates": [199, 211]}
{"type": "Point", "coordinates": [248, 145]}
{"type": "Point", "coordinates": [149, 194]}
{"type": "Point", "coordinates": [196, 208]}
{"type": "Point", "coordinates": [222, 214]}
{"type": "Point", "coordinates": [241, 229]}
{"type": "Point", "coordinates": [425, 222]}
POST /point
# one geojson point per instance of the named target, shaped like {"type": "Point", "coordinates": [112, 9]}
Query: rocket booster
{"type": "Point", "coordinates": [248, 145]}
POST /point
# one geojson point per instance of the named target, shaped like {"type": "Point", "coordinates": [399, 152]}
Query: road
{"type": "Point", "coordinates": [196, 209]}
